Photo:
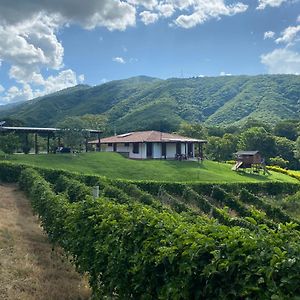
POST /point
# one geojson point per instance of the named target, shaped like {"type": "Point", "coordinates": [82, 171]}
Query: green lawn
{"type": "Point", "coordinates": [115, 166]}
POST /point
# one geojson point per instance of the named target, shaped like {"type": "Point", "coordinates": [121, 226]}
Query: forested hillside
{"type": "Point", "coordinates": [144, 102]}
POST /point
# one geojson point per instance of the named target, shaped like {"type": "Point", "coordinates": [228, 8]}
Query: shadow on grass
{"type": "Point", "coordinates": [260, 177]}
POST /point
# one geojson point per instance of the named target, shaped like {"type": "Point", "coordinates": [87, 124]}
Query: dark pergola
{"type": "Point", "coordinates": [48, 132]}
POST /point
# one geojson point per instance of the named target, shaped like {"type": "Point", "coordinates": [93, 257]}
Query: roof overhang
{"type": "Point", "coordinates": [42, 129]}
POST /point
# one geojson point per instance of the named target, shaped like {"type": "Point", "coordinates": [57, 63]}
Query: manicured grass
{"type": "Point", "coordinates": [116, 166]}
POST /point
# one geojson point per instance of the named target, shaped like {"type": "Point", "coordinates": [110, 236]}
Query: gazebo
{"type": "Point", "coordinates": [49, 132]}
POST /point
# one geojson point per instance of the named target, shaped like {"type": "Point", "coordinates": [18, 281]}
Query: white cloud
{"type": "Point", "coordinates": [206, 10]}
{"type": "Point", "coordinates": [148, 17]}
{"type": "Point", "coordinates": [15, 94]}
{"type": "Point", "coordinates": [165, 10]}
{"type": "Point", "coordinates": [89, 14]}
{"type": "Point", "coordinates": [282, 61]}
{"type": "Point", "coordinates": [148, 4]}
{"type": "Point", "coordinates": [289, 35]}
{"type": "Point", "coordinates": [2, 89]}
{"type": "Point", "coordinates": [65, 79]}
{"type": "Point", "coordinates": [31, 45]}
{"type": "Point", "coordinates": [225, 74]}
{"type": "Point", "coordinates": [269, 35]}
{"type": "Point", "coordinates": [81, 78]}
{"type": "Point", "coordinates": [298, 19]}
{"type": "Point", "coordinates": [262, 4]}
{"type": "Point", "coordinates": [119, 60]}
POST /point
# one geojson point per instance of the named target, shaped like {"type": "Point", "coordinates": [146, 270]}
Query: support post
{"type": "Point", "coordinates": [86, 144]}
{"type": "Point", "coordinates": [36, 150]}
{"type": "Point", "coordinates": [201, 151]}
{"type": "Point", "coordinates": [48, 143]}
{"type": "Point", "coordinates": [99, 143]}
{"type": "Point", "coordinates": [26, 148]}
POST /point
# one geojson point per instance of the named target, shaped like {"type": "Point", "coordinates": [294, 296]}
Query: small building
{"type": "Point", "coordinates": [247, 159]}
{"type": "Point", "coordinates": [151, 144]}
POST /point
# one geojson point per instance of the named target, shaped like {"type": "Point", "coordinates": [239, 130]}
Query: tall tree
{"type": "Point", "coordinates": [73, 132]}
{"type": "Point", "coordinates": [9, 143]}
{"type": "Point", "coordinates": [257, 138]}
{"type": "Point", "coordinates": [288, 129]}
{"type": "Point", "coordinates": [195, 130]}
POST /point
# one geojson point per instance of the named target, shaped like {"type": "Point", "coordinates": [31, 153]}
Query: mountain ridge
{"type": "Point", "coordinates": [142, 102]}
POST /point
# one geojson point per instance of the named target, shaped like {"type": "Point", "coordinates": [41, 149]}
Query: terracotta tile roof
{"type": "Point", "coordinates": [146, 136]}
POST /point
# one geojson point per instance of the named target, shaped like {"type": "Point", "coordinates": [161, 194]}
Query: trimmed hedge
{"type": "Point", "coordinates": [75, 189]}
{"type": "Point", "coordinates": [284, 171]}
{"type": "Point", "coordinates": [272, 212]}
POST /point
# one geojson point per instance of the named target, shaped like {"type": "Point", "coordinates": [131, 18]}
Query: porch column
{"type": "Point", "coordinates": [99, 143]}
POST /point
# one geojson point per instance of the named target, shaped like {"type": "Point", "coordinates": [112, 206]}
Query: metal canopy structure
{"type": "Point", "coordinates": [48, 131]}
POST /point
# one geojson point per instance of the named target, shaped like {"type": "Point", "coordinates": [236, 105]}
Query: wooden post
{"type": "Point", "coordinates": [26, 143]}
{"type": "Point", "coordinates": [99, 142]}
{"type": "Point", "coordinates": [185, 150]}
{"type": "Point", "coordinates": [36, 150]}
{"type": "Point", "coordinates": [201, 151]}
{"type": "Point", "coordinates": [86, 144]}
{"type": "Point", "coordinates": [48, 143]}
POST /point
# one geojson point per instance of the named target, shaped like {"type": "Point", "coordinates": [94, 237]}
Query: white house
{"type": "Point", "coordinates": [151, 144]}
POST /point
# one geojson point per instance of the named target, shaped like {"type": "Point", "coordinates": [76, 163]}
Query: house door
{"type": "Point", "coordinates": [149, 149]}
{"type": "Point", "coordinates": [115, 147]}
{"type": "Point", "coordinates": [178, 148]}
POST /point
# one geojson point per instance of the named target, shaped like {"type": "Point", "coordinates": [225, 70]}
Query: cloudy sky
{"type": "Point", "coordinates": [48, 45]}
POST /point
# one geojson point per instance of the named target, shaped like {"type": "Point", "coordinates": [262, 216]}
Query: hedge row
{"type": "Point", "coordinates": [271, 211]}
{"type": "Point", "coordinates": [269, 187]}
{"type": "Point", "coordinates": [11, 171]}
{"type": "Point", "coordinates": [249, 214]}
{"type": "Point", "coordinates": [284, 171]}
{"type": "Point", "coordinates": [132, 251]}
{"type": "Point", "coordinates": [74, 189]}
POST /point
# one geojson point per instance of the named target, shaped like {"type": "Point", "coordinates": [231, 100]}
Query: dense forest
{"type": "Point", "coordinates": [141, 103]}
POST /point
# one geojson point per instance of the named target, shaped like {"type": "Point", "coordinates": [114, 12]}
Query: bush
{"type": "Point", "coordinates": [279, 162]}
{"type": "Point", "coordinates": [10, 172]}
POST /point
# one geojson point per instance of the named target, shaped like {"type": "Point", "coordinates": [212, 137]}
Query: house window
{"type": "Point", "coordinates": [126, 144]}
{"type": "Point", "coordinates": [136, 148]}
{"type": "Point", "coordinates": [109, 144]}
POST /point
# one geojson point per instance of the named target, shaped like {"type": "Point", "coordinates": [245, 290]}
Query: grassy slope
{"type": "Point", "coordinates": [115, 166]}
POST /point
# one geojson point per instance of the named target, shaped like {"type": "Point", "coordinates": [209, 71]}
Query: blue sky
{"type": "Point", "coordinates": [45, 47]}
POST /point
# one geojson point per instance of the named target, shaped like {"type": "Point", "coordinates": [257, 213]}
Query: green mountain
{"type": "Point", "coordinates": [145, 102]}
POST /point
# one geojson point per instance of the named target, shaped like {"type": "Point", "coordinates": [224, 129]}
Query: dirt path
{"type": "Point", "coordinates": [29, 269]}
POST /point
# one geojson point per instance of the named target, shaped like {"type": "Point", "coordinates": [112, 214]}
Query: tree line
{"type": "Point", "coordinates": [279, 145]}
